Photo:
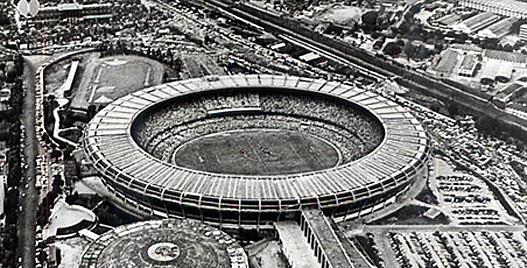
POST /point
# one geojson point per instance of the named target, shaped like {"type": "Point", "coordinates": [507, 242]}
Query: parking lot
{"type": "Point", "coordinates": [459, 249]}
{"type": "Point", "coordinates": [466, 200]}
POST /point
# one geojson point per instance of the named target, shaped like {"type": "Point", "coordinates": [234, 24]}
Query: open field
{"type": "Point", "coordinates": [257, 153]}
{"type": "Point", "coordinates": [340, 14]}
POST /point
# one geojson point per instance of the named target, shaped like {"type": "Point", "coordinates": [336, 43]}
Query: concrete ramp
{"type": "Point", "coordinates": [295, 246]}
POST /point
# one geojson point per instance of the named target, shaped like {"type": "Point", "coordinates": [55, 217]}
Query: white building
{"type": "Point", "coordinates": [468, 66]}
{"type": "Point", "coordinates": [477, 22]}
{"type": "Point", "coordinates": [516, 59]}
{"type": "Point", "coordinates": [3, 182]}
{"type": "Point", "coordinates": [523, 31]}
{"type": "Point", "coordinates": [498, 29]}
{"type": "Point", "coordinates": [495, 70]}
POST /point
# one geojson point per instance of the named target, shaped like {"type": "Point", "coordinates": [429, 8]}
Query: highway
{"type": "Point", "coordinates": [28, 215]}
{"type": "Point", "coordinates": [444, 228]}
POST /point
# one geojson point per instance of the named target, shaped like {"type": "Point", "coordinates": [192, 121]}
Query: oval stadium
{"type": "Point", "coordinates": [248, 150]}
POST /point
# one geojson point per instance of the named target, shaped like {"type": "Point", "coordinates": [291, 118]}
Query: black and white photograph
{"type": "Point", "coordinates": [263, 133]}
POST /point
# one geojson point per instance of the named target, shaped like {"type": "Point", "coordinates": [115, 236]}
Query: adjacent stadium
{"type": "Point", "coordinates": [165, 243]}
{"type": "Point", "coordinates": [249, 150]}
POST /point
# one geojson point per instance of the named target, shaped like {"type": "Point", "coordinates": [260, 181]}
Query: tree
{"type": "Point", "coordinates": [423, 52]}
{"type": "Point", "coordinates": [409, 49]}
{"type": "Point", "coordinates": [70, 199]}
{"type": "Point", "coordinates": [392, 49]}
{"type": "Point", "coordinates": [19, 65]}
{"type": "Point", "coordinates": [10, 75]}
{"type": "Point", "coordinates": [506, 47]}
{"type": "Point", "coordinates": [55, 154]}
{"type": "Point", "coordinates": [92, 110]}
{"type": "Point", "coordinates": [369, 20]}
{"type": "Point", "coordinates": [16, 96]}
{"type": "Point", "coordinates": [4, 19]}
{"type": "Point", "coordinates": [57, 184]}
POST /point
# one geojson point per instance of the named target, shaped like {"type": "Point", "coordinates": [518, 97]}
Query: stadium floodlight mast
{"type": "Point", "coordinates": [27, 8]}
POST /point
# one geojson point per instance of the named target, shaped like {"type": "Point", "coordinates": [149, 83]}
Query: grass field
{"type": "Point", "coordinates": [109, 78]}
{"type": "Point", "coordinates": [257, 152]}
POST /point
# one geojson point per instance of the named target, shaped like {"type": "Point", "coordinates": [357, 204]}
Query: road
{"type": "Point", "coordinates": [443, 228]}
{"type": "Point", "coordinates": [27, 218]}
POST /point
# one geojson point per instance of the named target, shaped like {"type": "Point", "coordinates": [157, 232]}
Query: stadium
{"type": "Point", "coordinates": [165, 243]}
{"type": "Point", "coordinates": [249, 150]}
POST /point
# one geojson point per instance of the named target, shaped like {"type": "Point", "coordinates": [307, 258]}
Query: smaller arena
{"type": "Point", "coordinates": [165, 243]}
{"type": "Point", "coordinates": [105, 79]}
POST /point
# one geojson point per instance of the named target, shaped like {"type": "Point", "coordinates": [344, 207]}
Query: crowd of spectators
{"type": "Point", "coordinates": [165, 145]}
{"type": "Point", "coordinates": [229, 101]}
{"type": "Point", "coordinates": [351, 129]}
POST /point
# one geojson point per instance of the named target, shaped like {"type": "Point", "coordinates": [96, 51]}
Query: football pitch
{"type": "Point", "coordinates": [257, 152]}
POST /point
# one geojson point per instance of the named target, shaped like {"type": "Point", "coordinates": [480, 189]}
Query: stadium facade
{"type": "Point", "coordinates": [168, 190]}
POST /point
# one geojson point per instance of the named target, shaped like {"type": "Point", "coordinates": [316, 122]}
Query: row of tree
{"type": "Point", "coordinates": [8, 235]}
{"type": "Point", "coordinates": [167, 56]}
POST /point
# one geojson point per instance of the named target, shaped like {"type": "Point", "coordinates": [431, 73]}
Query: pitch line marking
{"type": "Point", "coordinates": [92, 94]}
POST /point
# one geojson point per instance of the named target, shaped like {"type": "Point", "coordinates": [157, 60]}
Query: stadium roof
{"type": "Point", "coordinates": [111, 148]}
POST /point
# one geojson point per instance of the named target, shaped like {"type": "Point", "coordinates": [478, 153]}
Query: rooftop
{"type": "Point", "coordinates": [336, 247]}
{"type": "Point", "coordinates": [499, 29]}
{"type": "Point", "coordinates": [73, 6]}
{"type": "Point", "coordinates": [447, 62]}
{"type": "Point", "coordinates": [505, 56]}
{"type": "Point", "coordinates": [449, 19]}
{"type": "Point", "coordinates": [469, 62]}
{"type": "Point", "coordinates": [520, 6]}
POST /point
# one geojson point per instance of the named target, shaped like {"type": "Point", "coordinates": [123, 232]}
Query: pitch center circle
{"type": "Point", "coordinates": [257, 152]}
{"type": "Point", "coordinates": [163, 252]}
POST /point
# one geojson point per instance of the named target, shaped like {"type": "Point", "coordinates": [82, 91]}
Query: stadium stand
{"type": "Point", "coordinates": [353, 131]}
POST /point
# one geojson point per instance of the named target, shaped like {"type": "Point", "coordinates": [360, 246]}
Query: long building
{"type": "Point", "coordinates": [168, 190]}
{"type": "Point", "coordinates": [74, 12]}
{"type": "Point", "coordinates": [477, 22]}
{"type": "Point", "coordinates": [509, 8]}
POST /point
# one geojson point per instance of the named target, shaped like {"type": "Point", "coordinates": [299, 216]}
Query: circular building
{"type": "Point", "coordinates": [165, 243]}
{"type": "Point", "coordinates": [253, 149]}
